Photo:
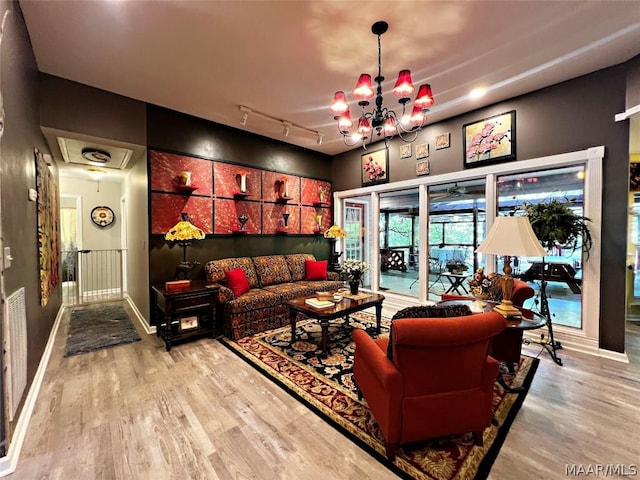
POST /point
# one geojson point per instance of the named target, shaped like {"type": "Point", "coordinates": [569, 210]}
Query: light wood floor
{"type": "Point", "coordinates": [137, 412]}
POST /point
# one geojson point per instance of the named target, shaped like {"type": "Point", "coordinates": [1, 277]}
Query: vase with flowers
{"type": "Point", "coordinates": [353, 271]}
{"type": "Point", "coordinates": [481, 287]}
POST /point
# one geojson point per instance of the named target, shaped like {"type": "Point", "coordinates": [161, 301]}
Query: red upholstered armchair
{"type": "Point", "coordinates": [439, 381]}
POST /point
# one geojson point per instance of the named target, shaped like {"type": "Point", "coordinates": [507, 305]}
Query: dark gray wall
{"type": "Point", "coordinates": [569, 116]}
{"type": "Point", "coordinates": [78, 108]}
{"type": "Point", "coordinates": [175, 132]}
{"type": "Point", "coordinates": [19, 85]}
{"type": "Point", "coordinates": [633, 83]}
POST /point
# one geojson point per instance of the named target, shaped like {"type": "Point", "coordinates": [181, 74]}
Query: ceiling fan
{"type": "Point", "coordinates": [453, 191]}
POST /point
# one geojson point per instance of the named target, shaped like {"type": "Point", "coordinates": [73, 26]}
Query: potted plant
{"type": "Point", "coordinates": [556, 224]}
{"type": "Point", "coordinates": [352, 271]}
{"type": "Point", "coordinates": [456, 266]}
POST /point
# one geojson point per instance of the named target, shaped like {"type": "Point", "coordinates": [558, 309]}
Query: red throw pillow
{"type": "Point", "coordinates": [315, 269]}
{"type": "Point", "coordinates": [237, 281]}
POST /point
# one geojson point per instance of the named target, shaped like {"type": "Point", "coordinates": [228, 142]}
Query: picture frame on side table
{"type": "Point", "coordinates": [375, 167]}
{"type": "Point", "coordinates": [490, 140]}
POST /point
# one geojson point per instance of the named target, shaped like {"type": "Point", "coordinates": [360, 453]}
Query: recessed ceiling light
{"type": "Point", "coordinates": [477, 92]}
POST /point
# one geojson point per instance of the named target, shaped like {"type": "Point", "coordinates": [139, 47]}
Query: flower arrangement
{"type": "Point", "coordinates": [373, 170]}
{"type": "Point", "coordinates": [458, 266]}
{"type": "Point", "coordinates": [352, 270]}
{"type": "Point", "coordinates": [480, 284]}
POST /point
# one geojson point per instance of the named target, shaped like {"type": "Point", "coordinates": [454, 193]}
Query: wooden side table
{"type": "Point", "coordinates": [187, 314]}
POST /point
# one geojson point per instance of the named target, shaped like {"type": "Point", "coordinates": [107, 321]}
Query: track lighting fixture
{"type": "Point", "coordinates": [287, 126]}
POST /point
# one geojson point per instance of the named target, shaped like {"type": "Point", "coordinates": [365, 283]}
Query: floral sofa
{"type": "Point", "coordinates": [273, 280]}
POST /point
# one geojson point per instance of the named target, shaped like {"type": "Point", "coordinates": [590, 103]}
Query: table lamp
{"type": "Point", "coordinates": [510, 236]}
{"type": "Point", "coordinates": [333, 234]}
{"type": "Point", "coordinates": [183, 233]}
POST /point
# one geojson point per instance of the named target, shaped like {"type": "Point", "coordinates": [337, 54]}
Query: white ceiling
{"type": "Point", "coordinates": [287, 58]}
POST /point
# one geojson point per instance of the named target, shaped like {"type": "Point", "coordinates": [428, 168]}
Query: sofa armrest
{"type": "Point", "coordinates": [225, 294]}
{"type": "Point", "coordinates": [333, 276]}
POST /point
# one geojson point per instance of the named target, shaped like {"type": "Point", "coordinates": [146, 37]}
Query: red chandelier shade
{"type": "Point", "coordinates": [404, 85]}
{"type": "Point", "coordinates": [364, 126]}
{"type": "Point", "coordinates": [424, 98]}
{"type": "Point", "coordinates": [344, 122]}
{"type": "Point", "coordinates": [418, 116]}
{"type": "Point", "coordinates": [339, 105]}
{"type": "Point", "coordinates": [363, 90]}
{"type": "Point", "coordinates": [389, 127]}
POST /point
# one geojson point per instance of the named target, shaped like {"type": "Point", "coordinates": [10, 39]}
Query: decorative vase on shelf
{"type": "Point", "coordinates": [243, 219]}
{"type": "Point", "coordinates": [354, 285]}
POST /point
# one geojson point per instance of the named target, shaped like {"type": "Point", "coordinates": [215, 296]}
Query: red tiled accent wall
{"type": "Point", "coordinates": [214, 204]}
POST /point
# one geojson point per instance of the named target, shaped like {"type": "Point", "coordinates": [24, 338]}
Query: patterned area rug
{"type": "Point", "coordinates": [326, 385]}
{"type": "Point", "coordinates": [95, 328]}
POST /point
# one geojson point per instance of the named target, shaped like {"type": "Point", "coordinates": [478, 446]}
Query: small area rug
{"type": "Point", "coordinates": [326, 386]}
{"type": "Point", "coordinates": [95, 328]}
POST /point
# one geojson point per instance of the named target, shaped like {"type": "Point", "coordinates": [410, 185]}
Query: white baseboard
{"type": "Point", "coordinates": [143, 322]}
{"type": "Point", "coordinates": [9, 463]}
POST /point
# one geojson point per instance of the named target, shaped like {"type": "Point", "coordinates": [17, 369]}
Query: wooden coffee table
{"type": "Point", "coordinates": [341, 309]}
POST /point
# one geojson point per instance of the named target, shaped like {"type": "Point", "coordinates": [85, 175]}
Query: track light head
{"type": "Point", "coordinates": [245, 114]}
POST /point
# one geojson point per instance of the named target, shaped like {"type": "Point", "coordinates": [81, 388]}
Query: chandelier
{"type": "Point", "coordinates": [381, 120]}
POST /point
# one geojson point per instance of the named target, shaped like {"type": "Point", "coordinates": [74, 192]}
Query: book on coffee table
{"type": "Point", "coordinates": [314, 302]}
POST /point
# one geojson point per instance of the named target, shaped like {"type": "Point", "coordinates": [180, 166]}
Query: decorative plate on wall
{"type": "Point", "coordinates": [102, 216]}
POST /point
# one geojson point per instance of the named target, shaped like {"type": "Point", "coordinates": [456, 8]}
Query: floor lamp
{"type": "Point", "coordinates": [514, 237]}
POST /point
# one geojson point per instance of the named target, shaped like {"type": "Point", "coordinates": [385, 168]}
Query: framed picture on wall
{"type": "Point", "coordinates": [422, 168]}
{"type": "Point", "coordinates": [375, 167]}
{"type": "Point", "coordinates": [490, 140]}
{"type": "Point", "coordinates": [422, 151]}
{"type": "Point", "coordinates": [443, 141]}
{"type": "Point", "coordinates": [405, 150]}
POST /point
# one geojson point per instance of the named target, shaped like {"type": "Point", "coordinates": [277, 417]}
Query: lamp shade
{"type": "Point", "coordinates": [424, 98]}
{"type": "Point", "coordinates": [512, 236]}
{"type": "Point", "coordinates": [404, 86]}
{"type": "Point", "coordinates": [335, 232]}
{"type": "Point", "coordinates": [339, 105]}
{"type": "Point", "coordinates": [363, 90]}
{"type": "Point", "coordinates": [184, 231]}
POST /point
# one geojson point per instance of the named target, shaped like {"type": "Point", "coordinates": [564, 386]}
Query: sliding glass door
{"type": "Point", "coordinates": [457, 219]}
{"type": "Point", "coordinates": [562, 266]}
